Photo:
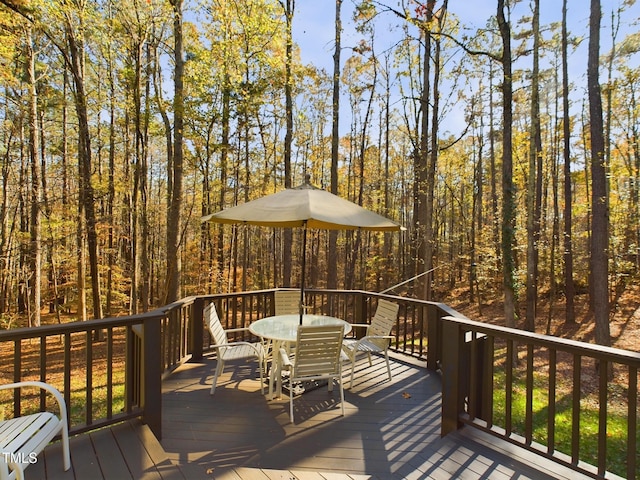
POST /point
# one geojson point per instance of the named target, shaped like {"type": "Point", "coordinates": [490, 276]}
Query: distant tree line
{"type": "Point", "coordinates": [124, 122]}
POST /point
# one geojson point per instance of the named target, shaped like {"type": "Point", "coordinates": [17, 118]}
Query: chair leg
{"type": "Point", "coordinates": [386, 356]}
{"type": "Point", "coordinates": [66, 455]}
{"type": "Point", "coordinates": [218, 372]}
{"type": "Point", "coordinates": [262, 369]}
{"type": "Point", "coordinates": [341, 394]}
{"type": "Point", "coordinates": [291, 400]}
{"type": "Point", "coordinates": [353, 369]}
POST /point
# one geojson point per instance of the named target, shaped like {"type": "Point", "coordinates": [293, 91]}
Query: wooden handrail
{"type": "Point", "coordinates": [138, 351]}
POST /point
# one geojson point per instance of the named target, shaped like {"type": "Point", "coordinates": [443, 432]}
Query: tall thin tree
{"type": "Point", "coordinates": [569, 287]}
{"type": "Point", "coordinates": [599, 195]}
{"type": "Point", "coordinates": [332, 276]}
{"type": "Point", "coordinates": [534, 180]}
{"type": "Point", "coordinates": [508, 192]}
{"type": "Point", "coordinates": [175, 170]}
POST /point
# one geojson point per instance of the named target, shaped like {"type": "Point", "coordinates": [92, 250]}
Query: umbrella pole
{"type": "Point", "coordinates": [304, 268]}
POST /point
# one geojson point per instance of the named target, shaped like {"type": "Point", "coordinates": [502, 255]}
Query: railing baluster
{"type": "Point", "coordinates": [109, 373]}
{"type": "Point", "coordinates": [603, 394]}
{"type": "Point", "coordinates": [508, 407]}
{"type": "Point", "coordinates": [43, 370]}
{"type": "Point", "coordinates": [551, 403]}
{"type": "Point", "coordinates": [632, 423]}
{"type": "Point", "coordinates": [89, 378]}
{"type": "Point", "coordinates": [529, 386]}
{"type": "Point", "coordinates": [17, 376]}
{"type": "Point", "coordinates": [575, 409]}
{"type": "Point", "coordinates": [67, 373]}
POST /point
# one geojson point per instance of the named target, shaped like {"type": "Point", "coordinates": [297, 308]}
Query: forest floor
{"type": "Point", "coordinates": [624, 318]}
{"type": "Point", "coordinates": [624, 327]}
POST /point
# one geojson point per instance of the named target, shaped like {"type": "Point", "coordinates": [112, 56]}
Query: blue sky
{"type": "Point", "coordinates": [313, 29]}
{"type": "Point", "coordinates": [313, 24]}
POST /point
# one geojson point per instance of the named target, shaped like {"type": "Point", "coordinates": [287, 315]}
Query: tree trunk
{"type": "Point", "coordinates": [495, 212]}
{"type": "Point", "coordinates": [599, 195]}
{"type": "Point", "coordinates": [508, 194]}
{"type": "Point", "coordinates": [111, 187]}
{"type": "Point", "coordinates": [569, 287]}
{"type": "Point", "coordinates": [433, 154]}
{"type": "Point", "coordinates": [421, 209]}
{"type": "Point", "coordinates": [174, 206]}
{"type": "Point", "coordinates": [224, 160]}
{"type": "Point", "coordinates": [145, 267]}
{"type": "Point", "coordinates": [534, 180]}
{"type": "Point", "coordinates": [332, 274]}
{"type": "Point", "coordinates": [87, 198]}
{"type": "Point", "coordinates": [289, 6]}
{"type": "Point", "coordinates": [35, 281]}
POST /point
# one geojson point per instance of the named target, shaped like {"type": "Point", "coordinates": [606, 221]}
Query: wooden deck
{"type": "Point", "coordinates": [391, 430]}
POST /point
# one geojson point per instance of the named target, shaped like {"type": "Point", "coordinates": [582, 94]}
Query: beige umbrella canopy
{"type": "Point", "coordinates": [306, 207]}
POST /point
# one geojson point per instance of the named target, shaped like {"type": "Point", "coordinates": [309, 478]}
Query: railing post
{"type": "Point", "coordinates": [360, 307]}
{"type": "Point", "coordinates": [196, 329]}
{"type": "Point", "coordinates": [452, 396]}
{"type": "Point", "coordinates": [434, 336]}
{"type": "Point", "coordinates": [152, 376]}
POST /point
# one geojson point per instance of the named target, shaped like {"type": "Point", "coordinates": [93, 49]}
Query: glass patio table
{"type": "Point", "coordinates": [282, 330]}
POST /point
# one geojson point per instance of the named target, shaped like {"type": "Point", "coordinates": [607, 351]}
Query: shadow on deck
{"type": "Point", "coordinates": [391, 430]}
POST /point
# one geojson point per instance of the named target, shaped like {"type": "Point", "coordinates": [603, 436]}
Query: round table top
{"type": "Point", "coordinates": [284, 328]}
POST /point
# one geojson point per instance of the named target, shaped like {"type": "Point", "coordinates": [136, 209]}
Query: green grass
{"type": "Point", "coordinates": [588, 421]}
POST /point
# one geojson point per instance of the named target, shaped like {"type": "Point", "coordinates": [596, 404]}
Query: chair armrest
{"type": "Point", "coordinates": [44, 386]}
{"type": "Point", "coordinates": [373, 337]}
{"type": "Point", "coordinates": [259, 351]}
{"type": "Point", "coordinates": [285, 361]}
{"type": "Point", "coordinates": [233, 330]}
{"type": "Point", "coordinates": [354, 326]}
{"type": "Point", "coordinates": [362, 325]}
{"type": "Point", "coordinates": [379, 337]}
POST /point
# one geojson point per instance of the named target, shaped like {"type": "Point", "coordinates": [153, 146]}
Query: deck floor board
{"type": "Point", "coordinates": [391, 430]}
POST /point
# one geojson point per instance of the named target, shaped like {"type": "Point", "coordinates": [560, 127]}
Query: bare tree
{"type": "Point", "coordinates": [175, 164]}
{"type": "Point", "coordinates": [534, 180]}
{"type": "Point", "coordinates": [508, 193]}
{"type": "Point", "coordinates": [332, 277]}
{"type": "Point", "coordinates": [569, 287]}
{"type": "Point", "coordinates": [599, 195]}
{"type": "Point", "coordinates": [35, 230]}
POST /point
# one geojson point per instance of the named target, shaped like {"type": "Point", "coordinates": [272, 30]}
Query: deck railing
{"type": "Point", "coordinates": [552, 396]}
{"type": "Point", "coordinates": [110, 370]}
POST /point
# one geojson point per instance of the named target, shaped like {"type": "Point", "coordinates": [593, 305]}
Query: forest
{"type": "Point", "coordinates": [509, 151]}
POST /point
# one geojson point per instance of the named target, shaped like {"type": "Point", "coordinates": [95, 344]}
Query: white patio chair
{"type": "Point", "coordinates": [317, 357]}
{"type": "Point", "coordinates": [377, 336]}
{"type": "Point", "coordinates": [227, 350]}
{"type": "Point", "coordinates": [286, 302]}
{"type": "Point", "coordinates": [23, 438]}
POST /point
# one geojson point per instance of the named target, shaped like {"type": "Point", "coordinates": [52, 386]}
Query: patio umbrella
{"type": "Point", "coordinates": [304, 207]}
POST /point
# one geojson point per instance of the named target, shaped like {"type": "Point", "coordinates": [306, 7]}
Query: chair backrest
{"type": "Point", "coordinates": [384, 319]}
{"type": "Point", "coordinates": [318, 351]}
{"type": "Point", "coordinates": [286, 302]}
{"type": "Point", "coordinates": [211, 318]}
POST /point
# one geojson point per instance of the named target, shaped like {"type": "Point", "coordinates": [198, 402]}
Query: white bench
{"type": "Point", "coordinates": [23, 438]}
